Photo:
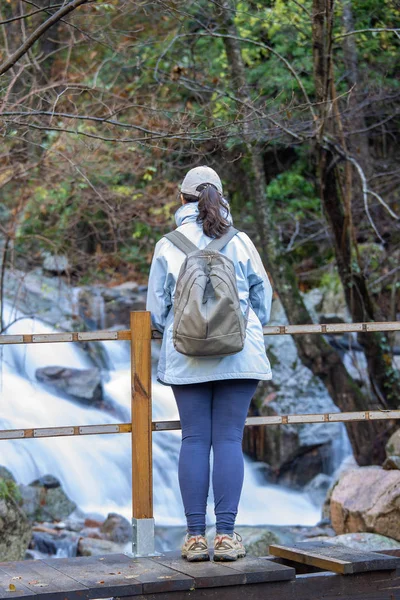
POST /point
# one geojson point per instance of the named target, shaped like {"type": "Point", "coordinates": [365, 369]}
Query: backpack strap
{"type": "Point", "coordinates": [181, 241]}
{"type": "Point", "coordinates": [221, 242]}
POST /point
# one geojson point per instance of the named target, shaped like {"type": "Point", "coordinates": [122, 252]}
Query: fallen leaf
{"type": "Point", "coordinates": [12, 587]}
{"type": "Point", "coordinates": [101, 581]}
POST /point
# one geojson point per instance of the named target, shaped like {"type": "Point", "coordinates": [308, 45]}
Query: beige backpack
{"type": "Point", "coordinates": [208, 320]}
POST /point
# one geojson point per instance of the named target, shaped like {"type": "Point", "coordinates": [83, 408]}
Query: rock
{"type": "Point", "coordinates": [15, 530]}
{"type": "Point", "coordinates": [392, 462]}
{"type": "Point", "coordinates": [61, 544]}
{"type": "Point", "coordinates": [47, 481]}
{"type": "Point", "coordinates": [317, 488]}
{"type": "Point", "coordinates": [393, 444]}
{"type": "Point", "coordinates": [117, 528]}
{"type": "Point", "coordinates": [294, 453]}
{"type": "Point", "coordinates": [371, 542]}
{"type": "Point", "coordinates": [260, 546]}
{"type": "Point", "coordinates": [367, 499]}
{"type": "Point", "coordinates": [56, 264]}
{"type": "Point", "coordinates": [95, 547]}
{"type": "Point", "coordinates": [102, 307]}
{"type": "Point", "coordinates": [6, 474]}
{"type": "Point", "coordinates": [93, 523]}
{"type": "Point", "coordinates": [82, 384]}
{"type": "Point", "coordinates": [41, 503]}
{"type": "Point", "coordinates": [348, 463]}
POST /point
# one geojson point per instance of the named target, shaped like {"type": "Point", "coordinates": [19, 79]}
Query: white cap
{"type": "Point", "coordinates": [196, 177]}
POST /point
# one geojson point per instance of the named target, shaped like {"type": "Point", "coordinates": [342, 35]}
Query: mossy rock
{"type": "Point", "coordinates": [260, 547]}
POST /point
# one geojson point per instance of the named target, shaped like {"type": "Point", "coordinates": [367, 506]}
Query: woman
{"type": "Point", "coordinates": [213, 394]}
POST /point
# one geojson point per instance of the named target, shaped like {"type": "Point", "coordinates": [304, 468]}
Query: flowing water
{"type": "Point", "coordinates": [95, 471]}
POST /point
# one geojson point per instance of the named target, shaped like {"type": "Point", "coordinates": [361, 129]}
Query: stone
{"type": "Point", "coordinates": [96, 547]}
{"type": "Point", "coordinates": [295, 454]}
{"type": "Point", "coordinates": [6, 474]}
{"type": "Point", "coordinates": [15, 530]}
{"type": "Point", "coordinates": [82, 384]}
{"type": "Point", "coordinates": [46, 504]}
{"type": "Point", "coordinates": [117, 528]}
{"type": "Point", "coordinates": [369, 542]}
{"type": "Point", "coordinates": [260, 546]}
{"type": "Point", "coordinates": [348, 463]}
{"type": "Point", "coordinates": [60, 544]}
{"type": "Point", "coordinates": [392, 462]}
{"type": "Point", "coordinates": [393, 444]}
{"type": "Point", "coordinates": [103, 308]}
{"type": "Point", "coordinates": [317, 488]}
{"type": "Point", "coordinates": [47, 481]}
{"type": "Point", "coordinates": [56, 263]}
{"type": "Point", "coordinates": [367, 499]}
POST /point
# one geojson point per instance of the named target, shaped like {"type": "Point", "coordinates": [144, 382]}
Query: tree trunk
{"type": "Point", "coordinates": [383, 376]}
{"type": "Point", "coordinates": [367, 439]}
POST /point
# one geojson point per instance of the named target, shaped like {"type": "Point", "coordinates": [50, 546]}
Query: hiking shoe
{"type": "Point", "coordinates": [228, 547]}
{"type": "Point", "coordinates": [195, 548]}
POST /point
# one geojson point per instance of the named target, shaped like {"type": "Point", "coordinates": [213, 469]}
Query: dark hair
{"type": "Point", "coordinates": [215, 224]}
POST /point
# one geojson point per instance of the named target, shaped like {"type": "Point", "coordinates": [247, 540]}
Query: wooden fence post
{"type": "Point", "coordinates": [142, 471]}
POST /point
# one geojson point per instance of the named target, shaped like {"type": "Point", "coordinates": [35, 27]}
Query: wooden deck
{"type": "Point", "coordinates": [371, 576]}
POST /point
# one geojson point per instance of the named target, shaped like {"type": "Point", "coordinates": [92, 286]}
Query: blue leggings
{"type": "Point", "coordinates": [212, 415]}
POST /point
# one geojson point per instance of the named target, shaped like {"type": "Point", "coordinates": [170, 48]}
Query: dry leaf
{"type": "Point", "coordinates": [101, 581]}
{"type": "Point", "coordinates": [12, 587]}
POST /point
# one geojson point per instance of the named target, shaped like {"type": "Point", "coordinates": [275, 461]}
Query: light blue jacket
{"type": "Point", "coordinates": [253, 286]}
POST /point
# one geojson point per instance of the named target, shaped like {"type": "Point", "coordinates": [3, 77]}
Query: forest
{"type": "Point", "coordinates": [106, 104]}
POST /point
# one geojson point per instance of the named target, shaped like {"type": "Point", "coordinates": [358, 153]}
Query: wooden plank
{"type": "Point", "coordinates": [260, 570]}
{"type": "Point", "coordinates": [104, 576]}
{"type": "Point", "coordinates": [205, 574]}
{"type": "Point", "coordinates": [142, 476]}
{"type": "Point", "coordinates": [21, 591]}
{"type": "Point", "coordinates": [41, 579]}
{"type": "Point", "coordinates": [376, 585]}
{"type": "Point", "coordinates": [156, 577]}
{"type": "Point", "coordinates": [335, 558]}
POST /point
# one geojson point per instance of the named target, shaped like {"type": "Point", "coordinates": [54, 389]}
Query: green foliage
{"type": "Point", "coordinates": [292, 192]}
{"type": "Point", "coordinates": [9, 490]}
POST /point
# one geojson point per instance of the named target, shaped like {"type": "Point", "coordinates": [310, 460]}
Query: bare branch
{"type": "Point", "coordinates": [30, 14]}
{"type": "Point", "coordinates": [23, 49]}
{"type": "Point", "coordinates": [343, 35]}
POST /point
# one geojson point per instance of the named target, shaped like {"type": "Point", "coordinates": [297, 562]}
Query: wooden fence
{"type": "Point", "coordinates": [141, 426]}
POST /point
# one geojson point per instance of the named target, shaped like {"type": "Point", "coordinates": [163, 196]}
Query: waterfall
{"type": "Point", "coordinates": [95, 471]}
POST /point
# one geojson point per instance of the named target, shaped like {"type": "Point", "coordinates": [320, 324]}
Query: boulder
{"type": "Point", "coordinates": [318, 487]}
{"type": "Point", "coordinates": [15, 530]}
{"type": "Point", "coordinates": [6, 474]}
{"type": "Point", "coordinates": [56, 264]}
{"type": "Point", "coordinates": [367, 499]}
{"type": "Point", "coordinates": [393, 444]}
{"type": "Point", "coordinates": [82, 384]}
{"type": "Point", "coordinates": [260, 545]}
{"type": "Point", "coordinates": [117, 528]}
{"type": "Point", "coordinates": [95, 547]}
{"type": "Point", "coordinates": [295, 454]}
{"type": "Point", "coordinates": [102, 307]}
{"type": "Point", "coordinates": [369, 542]}
{"type": "Point", "coordinates": [348, 463]}
{"type": "Point", "coordinates": [42, 503]}
{"type": "Point", "coordinates": [391, 462]}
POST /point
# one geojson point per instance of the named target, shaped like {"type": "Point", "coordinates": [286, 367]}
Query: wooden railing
{"type": "Point", "coordinates": [141, 426]}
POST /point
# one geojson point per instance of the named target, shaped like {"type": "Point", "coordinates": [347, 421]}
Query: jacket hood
{"type": "Point", "coordinates": [187, 213]}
